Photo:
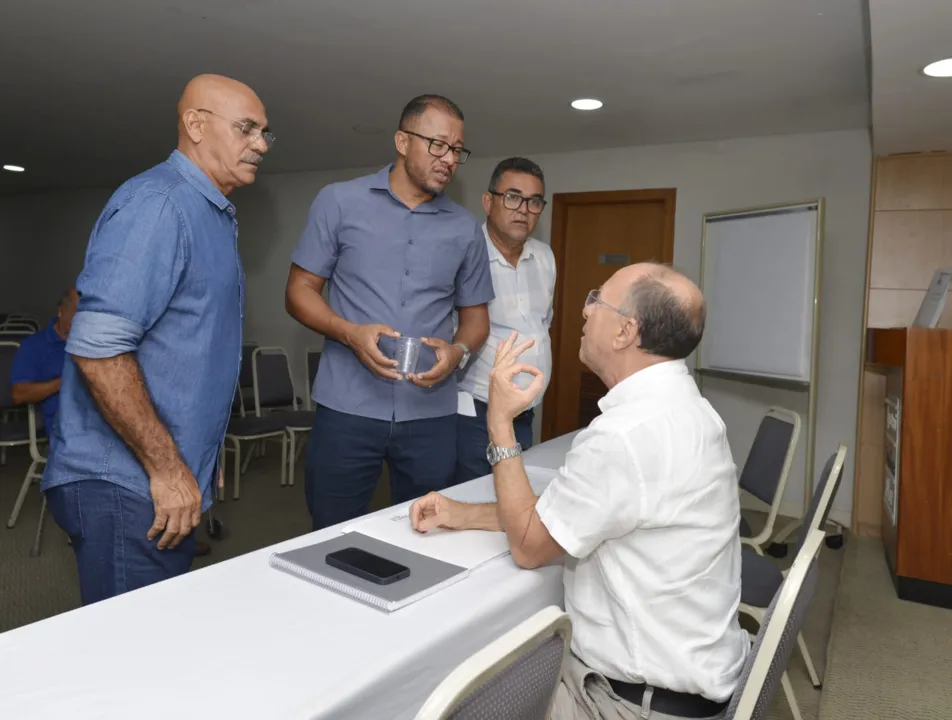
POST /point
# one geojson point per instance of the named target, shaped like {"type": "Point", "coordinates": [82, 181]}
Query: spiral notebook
{"type": "Point", "coordinates": [427, 575]}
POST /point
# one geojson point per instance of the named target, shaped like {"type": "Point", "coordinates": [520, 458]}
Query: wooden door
{"type": "Point", "coordinates": [594, 235]}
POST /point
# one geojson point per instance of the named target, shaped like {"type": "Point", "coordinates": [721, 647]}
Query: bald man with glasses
{"type": "Point", "coordinates": [154, 350]}
{"type": "Point", "coordinates": [523, 272]}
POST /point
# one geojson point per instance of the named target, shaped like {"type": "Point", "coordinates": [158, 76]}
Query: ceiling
{"type": "Point", "coordinates": [911, 112]}
{"type": "Point", "coordinates": [89, 88]}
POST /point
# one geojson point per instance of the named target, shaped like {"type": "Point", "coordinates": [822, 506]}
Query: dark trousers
{"type": "Point", "coordinates": [472, 437]}
{"type": "Point", "coordinates": [107, 526]}
{"type": "Point", "coordinates": [345, 454]}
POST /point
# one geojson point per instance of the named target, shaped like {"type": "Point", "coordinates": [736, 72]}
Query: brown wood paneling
{"type": "Point", "coordinates": [914, 182]}
{"type": "Point", "coordinates": [591, 390]}
{"type": "Point", "coordinates": [925, 494]}
{"type": "Point", "coordinates": [908, 247]}
{"type": "Point", "coordinates": [886, 346]}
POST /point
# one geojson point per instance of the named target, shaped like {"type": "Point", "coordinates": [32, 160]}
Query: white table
{"type": "Point", "coordinates": [241, 640]}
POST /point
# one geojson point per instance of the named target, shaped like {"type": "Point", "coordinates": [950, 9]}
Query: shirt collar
{"type": "Point", "coordinates": [51, 331]}
{"type": "Point", "coordinates": [199, 180]}
{"type": "Point", "coordinates": [639, 383]}
{"type": "Point", "coordinates": [381, 181]}
{"type": "Point", "coordinates": [494, 254]}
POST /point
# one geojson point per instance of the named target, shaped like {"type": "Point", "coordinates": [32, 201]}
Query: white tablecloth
{"type": "Point", "coordinates": [241, 640]}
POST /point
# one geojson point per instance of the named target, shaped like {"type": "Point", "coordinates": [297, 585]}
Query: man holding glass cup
{"type": "Point", "coordinates": [397, 256]}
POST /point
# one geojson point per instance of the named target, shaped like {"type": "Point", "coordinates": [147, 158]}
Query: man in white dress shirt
{"type": "Point", "coordinates": [644, 511]}
{"type": "Point", "coordinates": [523, 273]}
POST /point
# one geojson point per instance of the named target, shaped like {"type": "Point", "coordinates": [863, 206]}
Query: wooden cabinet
{"type": "Point", "coordinates": [917, 472]}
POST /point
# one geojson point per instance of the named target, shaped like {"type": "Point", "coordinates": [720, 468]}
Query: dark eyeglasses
{"type": "Point", "coordinates": [513, 201]}
{"type": "Point", "coordinates": [439, 148]}
{"type": "Point", "coordinates": [248, 128]}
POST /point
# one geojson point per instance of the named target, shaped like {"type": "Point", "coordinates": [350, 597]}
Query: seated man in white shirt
{"type": "Point", "coordinates": [523, 272]}
{"type": "Point", "coordinates": [645, 511]}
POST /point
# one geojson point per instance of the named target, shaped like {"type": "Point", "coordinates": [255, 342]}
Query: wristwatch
{"type": "Point", "coordinates": [495, 454]}
{"type": "Point", "coordinates": [466, 353]}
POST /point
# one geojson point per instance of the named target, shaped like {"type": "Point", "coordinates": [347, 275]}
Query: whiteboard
{"type": "Point", "coordinates": [760, 282]}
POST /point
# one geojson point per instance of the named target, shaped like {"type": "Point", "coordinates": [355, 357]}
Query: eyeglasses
{"type": "Point", "coordinates": [439, 148]}
{"type": "Point", "coordinates": [513, 201]}
{"type": "Point", "coordinates": [248, 128]}
{"type": "Point", "coordinates": [594, 297]}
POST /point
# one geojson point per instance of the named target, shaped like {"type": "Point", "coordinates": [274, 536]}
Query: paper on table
{"type": "Point", "coordinates": [466, 548]}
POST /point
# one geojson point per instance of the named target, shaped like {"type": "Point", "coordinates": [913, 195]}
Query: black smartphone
{"type": "Point", "coordinates": [368, 566]}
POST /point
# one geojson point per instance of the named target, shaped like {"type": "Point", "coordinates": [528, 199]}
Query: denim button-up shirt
{"type": "Point", "coordinates": [404, 268]}
{"type": "Point", "coordinates": [162, 279]}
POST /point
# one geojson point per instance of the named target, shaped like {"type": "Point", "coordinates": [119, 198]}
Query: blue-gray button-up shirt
{"type": "Point", "coordinates": [386, 263]}
{"type": "Point", "coordinates": [162, 279]}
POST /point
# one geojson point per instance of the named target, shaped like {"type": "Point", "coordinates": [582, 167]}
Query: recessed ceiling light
{"type": "Point", "coordinates": [586, 104]}
{"type": "Point", "coordinates": [940, 68]}
{"type": "Point", "coordinates": [13, 168]}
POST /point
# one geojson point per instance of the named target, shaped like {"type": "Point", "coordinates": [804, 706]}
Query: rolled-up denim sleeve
{"type": "Point", "coordinates": [318, 248]}
{"type": "Point", "coordinates": [136, 257]}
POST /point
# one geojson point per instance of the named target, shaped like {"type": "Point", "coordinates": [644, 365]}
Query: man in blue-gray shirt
{"type": "Point", "coordinates": [398, 256]}
{"type": "Point", "coordinates": [154, 351]}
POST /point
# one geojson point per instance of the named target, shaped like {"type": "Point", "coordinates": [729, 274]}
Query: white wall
{"type": "Point", "coordinates": [709, 176]}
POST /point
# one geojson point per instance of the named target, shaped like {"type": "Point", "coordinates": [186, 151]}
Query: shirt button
{"type": "Point", "coordinates": [231, 210]}
{"type": "Point", "coordinates": [406, 272]}
{"type": "Point", "coordinates": [411, 241]}
{"type": "Point", "coordinates": [403, 303]}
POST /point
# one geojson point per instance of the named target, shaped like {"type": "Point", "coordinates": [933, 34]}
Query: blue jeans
{"type": "Point", "coordinates": [345, 453]}
{"type": "Point", "coordinates": [107, 526]}
{"type": "Point", "coordinates": [472, 437]}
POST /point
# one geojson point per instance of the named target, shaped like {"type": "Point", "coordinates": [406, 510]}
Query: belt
{"type": "Point", "coordinates": [668, 701]}
{"type": "Point", "coordinates": [524, 413]}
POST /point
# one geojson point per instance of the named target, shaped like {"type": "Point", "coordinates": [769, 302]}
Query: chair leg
{"type": "Point", "coordinates": [814, 678]}
{"type": "Point", "coordinates": [38, 538]}
{"type": "Point", "coordinates": [248, 456]}
{"type": "Point", "coordinates": [24, 489]}
{"type": "Point", "coordinates": [791, 699]}
{"type": "Point", "coordinates": [292, 438]}
{"type": "Point", "coordinates": [237, 467]}
{"type": "Point", "coordinates": [284, 459]}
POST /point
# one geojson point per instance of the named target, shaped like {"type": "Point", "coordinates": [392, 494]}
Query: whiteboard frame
{"type": "Point", "coordinates": [776, 381]}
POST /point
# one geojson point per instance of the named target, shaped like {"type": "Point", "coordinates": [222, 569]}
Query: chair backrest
{"type": "Point", "coordinates": [245, 376]}
{"type": "Point", "coordinates": [768, 463]}
{"type": "Point", "coordinates": [8, 351]}
{"type": "Point", "coordinates": [777, 637]}
{"type": "Point", "coordinates": [273, 385]}
{"type": "Point", "coordinates": [513, 678]}
{"type": "Point", "coordinates": [313, 362]}
{"type": "Point", "coordinates": [823, 494]}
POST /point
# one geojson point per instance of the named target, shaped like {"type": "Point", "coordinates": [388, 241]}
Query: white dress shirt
{"type": "Point", "coordinates": [523, 303]}
{"type": "Point", "coordinates": [647, 507]}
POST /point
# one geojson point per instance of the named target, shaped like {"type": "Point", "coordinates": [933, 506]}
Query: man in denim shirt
{"type": "Point", "coordinates": [397, 256]}
{"type": "Point", "coordinates": [154, 351]}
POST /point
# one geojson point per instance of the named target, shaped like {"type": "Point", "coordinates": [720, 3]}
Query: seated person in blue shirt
{"type": "Point", "coordinates": [38, 364]}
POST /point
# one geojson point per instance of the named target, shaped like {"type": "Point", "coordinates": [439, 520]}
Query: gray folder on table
{"type": "Point", "coordinates": [427, 575]}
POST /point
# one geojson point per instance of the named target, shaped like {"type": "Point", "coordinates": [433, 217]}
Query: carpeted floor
{"type": "Point", "coordinates": [887, 658]}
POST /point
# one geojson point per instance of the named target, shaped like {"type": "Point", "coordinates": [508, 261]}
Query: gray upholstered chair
{"type": "Point", "coordinates": [767, 467]}
{"type": "Point", "coordinates": [275, 397]}
{"type": "Point", "coordinates": [783, 619]}
{"type": "Point", "coordinates": [761, 577]}
{"type": "Point", "coordinates": [513, 678]}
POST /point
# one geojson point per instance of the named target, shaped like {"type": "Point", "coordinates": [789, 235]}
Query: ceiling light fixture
{"type": "Point", "coordinates": [13, 168]}
{"type": "Point", "coordinates": [940, 68]}
{"type": "Point", "coordinates": [586, 104]}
